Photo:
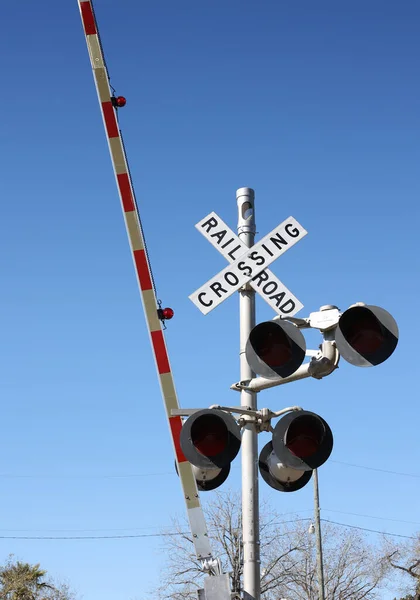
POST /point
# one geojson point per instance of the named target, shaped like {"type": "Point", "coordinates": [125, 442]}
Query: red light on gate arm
{"type": "Point", "coordinates": [168, 313]}
{"type": "Point", "coordinates": [209, 435]}
{"type": "Point", "coordinates": [118, 101]}
{"type": "Point", "coordinates": [164, 314]}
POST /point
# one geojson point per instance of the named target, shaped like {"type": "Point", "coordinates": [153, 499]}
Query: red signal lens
{"type": "Point", "coordinates": [209, 435]}
{"type": "Point", "coordinates": [272, 345]}
{"type": "Point", "coordinates": [120, 101]}
{"type": "Point", "coordinates": [167, 313]}
{"type": "Point", "coordinates": [362, 330]}
{"type": "Point", "coordinates": [304, 436]}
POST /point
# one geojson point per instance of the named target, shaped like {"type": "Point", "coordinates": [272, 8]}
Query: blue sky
{"type": "Point", "coordinates": [315, 106]}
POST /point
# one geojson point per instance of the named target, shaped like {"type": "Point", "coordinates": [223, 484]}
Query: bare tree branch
{"type": "Point", "coordinates": [353, 571]}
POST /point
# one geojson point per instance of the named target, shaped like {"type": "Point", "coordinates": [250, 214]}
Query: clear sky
{"type": "Point", "coordinates": [315, 106]}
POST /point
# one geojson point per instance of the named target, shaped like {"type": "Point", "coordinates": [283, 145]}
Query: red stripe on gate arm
{"type": "Point", "coordinates": [88, 18]}
{"type": "Point", "coordinates": [125, 191]}
{"type": "Point", "coordinates": [176, 426]}
{"type": "Point", "coordinates": [160, 352]}
{"type": "Point", "coordinates": [110, 119]}
{"type": "Point", "coordinates": [143, 272]}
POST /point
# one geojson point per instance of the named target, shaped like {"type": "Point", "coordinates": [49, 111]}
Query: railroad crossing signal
{"type": "Point", "coordinates": [275, 351]}
{"type": "Point", "coordinates": [302, 441]}
{"type": "Point", "coordinates": [210, 439]}
{"type": "Point", "coordinates": [248, 265]}
{"type": "Point", "coordinates": [275, 348]}
{"type": "Point", "coordinates": [366, 335]}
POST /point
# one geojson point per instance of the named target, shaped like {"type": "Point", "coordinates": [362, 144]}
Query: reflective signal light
{"type": "Point", "coordinates": [208, 479]}
{"type": "Point", "coordinates": [210, 439]}
{"type": "Point", "coordinates": [279, 476]}
{"type": "Point", "coordinates": [366, 335]}
{"type": "Point", "coordinates": [275, 349]}
{"type": "Point", "coordinates": [302, 440]}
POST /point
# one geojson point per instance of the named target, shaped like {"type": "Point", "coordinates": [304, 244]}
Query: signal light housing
{"type": "Point", "coordinates": [279, 476]}
{"type": "Point", "coordinates": [275, 349]}
{"type": "Point", "coordinates": [302, 440]}
{"type": "Point", "coordinates": [210, 439]}
{"type": "Point", "coordinates": [366, 335]}
{"type": "Point", "coordinates": [208, 479]}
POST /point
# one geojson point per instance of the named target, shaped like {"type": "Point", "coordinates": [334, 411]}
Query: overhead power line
{"type": "Point", "coordinates": [306, 510]}
{"type": "Point", "coordinates": [342, 512]}
{"type": "Point", "coordinates": [388, 471]}
{"type": "Point", "coordinates": [408, 537]}
{"type": "Point", "coordinates": [166, 473]}
{"type": "Point", "coordinates": [106, 476]}
{"type": "Point", "coordinates": [176, 533]}
{"type": "Point", "coordinates": [88, 537]}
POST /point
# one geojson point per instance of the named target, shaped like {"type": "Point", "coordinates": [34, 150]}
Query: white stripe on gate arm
{"type": "Point", "coordinates": [270, 288]}
{"type": "Point", "coordinates": [248, 265]}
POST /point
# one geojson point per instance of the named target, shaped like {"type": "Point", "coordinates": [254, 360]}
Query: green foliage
{"type": "Point", "coordinates": [22, 581]}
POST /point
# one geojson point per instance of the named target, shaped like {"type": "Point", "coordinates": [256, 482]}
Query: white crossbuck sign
{"type": "Point", "coordinates": [248, 265]}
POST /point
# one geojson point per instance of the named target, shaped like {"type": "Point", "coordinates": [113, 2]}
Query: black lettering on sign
{"type": "Point", "coordinates": [231, 278]}
{"type": "Point", "coordinates": [294, 233]}
{"type": "Point", "coordinates": [201, 301]}
{"type": "Point", "coordinates": [232, 252]}
{"type": "Point", "coordinates": [278, 298]}
{"type": "Point", "coordinates": [260, 260]}
{"type": "Point", "coordinates": [217, 287]}
{"type": "Point", "coordinates": [245, 268]}
{"type": "Point", "coordinates": [278, 241]}
{"type": "Point", "coordinates": [212, 222]}
{"type": "Point", "coordinates": [292, 306]}
{"type": "Point", "coordinates": [228, 242]}
{"type": "Point", "coordinates": [263, 276]}
{"type": "Point", "coordinates": [219, 235]}
{"type": "Point", "coordinates": [268, 288]}
{"type": "Point", "coordinates": [267, 250]}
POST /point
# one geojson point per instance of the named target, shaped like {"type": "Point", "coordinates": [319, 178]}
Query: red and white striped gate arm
{"type": "Point", "coordinates": [144, 278]}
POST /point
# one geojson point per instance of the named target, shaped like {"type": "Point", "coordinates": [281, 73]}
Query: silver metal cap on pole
{"type": "Point", "coordinates": [245, 198]}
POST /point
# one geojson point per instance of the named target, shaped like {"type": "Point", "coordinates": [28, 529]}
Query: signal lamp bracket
{"type": "Point", "coordinates": [322, 364]}
{"type": "Point", "coordinates": [325, 318]}
{"type": "Point", "coordinates": [261, 418]}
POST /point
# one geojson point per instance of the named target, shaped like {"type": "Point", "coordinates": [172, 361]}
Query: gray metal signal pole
{"type": "Point", "coordinates": [250, 506]}
{"type": "Point", "coordinates": [319, 561]}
